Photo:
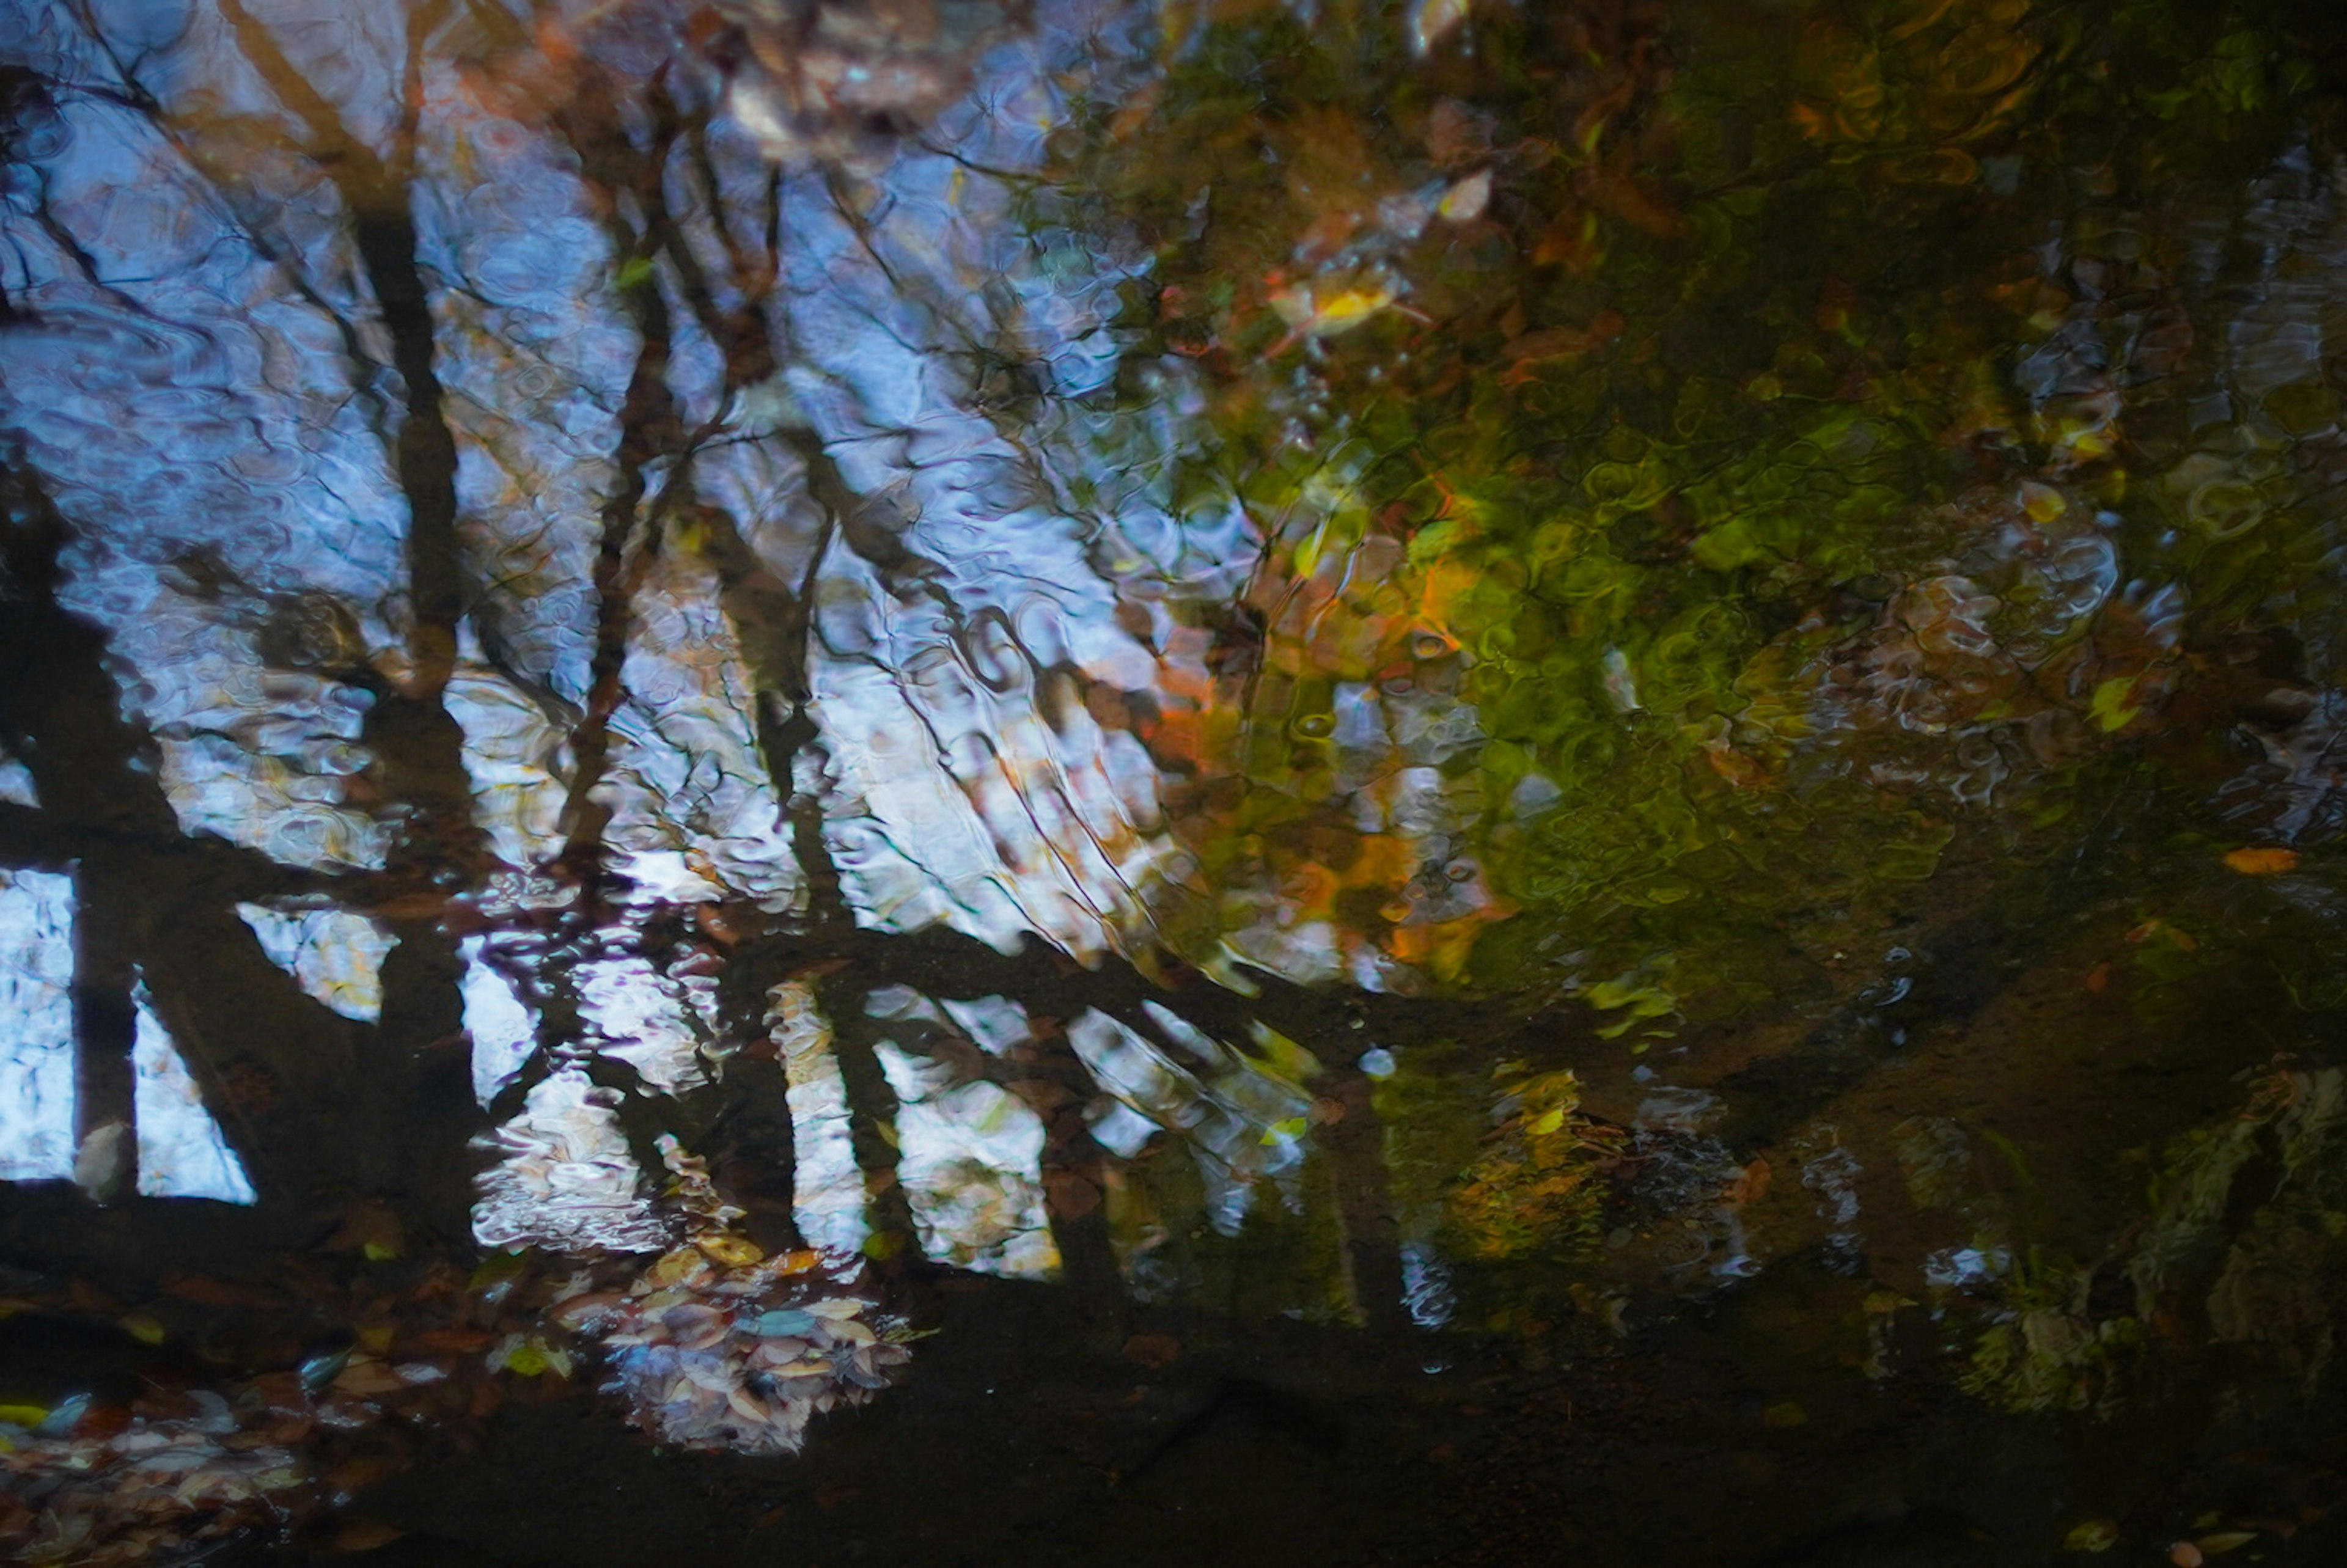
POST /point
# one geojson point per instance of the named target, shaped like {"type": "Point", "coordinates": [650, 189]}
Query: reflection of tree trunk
{"type": "Point", "coordinates": [752, 1150]}
{"type": "Point", "coordinates": [872, 1109]}
{"type": "Point", "coordinates": [630, 534]}
{"type": "Point", "coordinates": [106, 1028]}
{"type": "Point", "coordinates": [1051, 1080]}
{"type": "Point", "coordinates": [413, 1081]}
{"type": "Point", "coordinates": [751, 1147]}
{"type": "Point", "coordinates": [418, 1062]}
{"type": "Point", "coordinates": [1351, 1140]}
{"type": "Point", "coordinates": [275, 1067]}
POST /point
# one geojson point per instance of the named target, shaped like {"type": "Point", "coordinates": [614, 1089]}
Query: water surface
{"type": "Point", "coordinates": [1085, 782]}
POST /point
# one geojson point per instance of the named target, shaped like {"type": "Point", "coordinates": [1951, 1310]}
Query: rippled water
{"type": "Point", "coordinates": [1333, 782]}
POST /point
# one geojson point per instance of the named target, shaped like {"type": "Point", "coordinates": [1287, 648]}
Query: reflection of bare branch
{"type": "Point", "coordinates": [646, 419]}
{"type": "Point", "coordinates": [771, 619]}
{"type": "Point", "coordinates": [132, 94]}
{"type": "Point", "coordinates": [67, 241]}
{"type": "Point", "coordinates": [752, 1145]}
{"type": "Point", "coordinates": [107, 930]}
{"type": "Point", "coordinates": [35, 839]}
{"type": "Point", "coordinates": [421, 743]}
{"type": "Point", "coordinates": [631, 526]}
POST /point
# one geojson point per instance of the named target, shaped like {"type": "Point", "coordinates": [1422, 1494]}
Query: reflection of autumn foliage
{"type": "Point", "coordinates": [1935, 75]}
{"type": "Point", "coordinates": [1321, 748]}
{"type": "Point", "coordinates": [1386, 187]}
{"type": "Point", "coordinates": [833, 82]}
{"type": "Point", "coordinates": [1879, 542]}
{"type": "Point", "coordinates": [1535, 1189]}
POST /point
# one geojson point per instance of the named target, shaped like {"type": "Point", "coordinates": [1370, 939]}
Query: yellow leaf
{"type": "Point", "coordinates": [1282, 1131]}
{"type": "Point", "coordinates": [2262, 862]}
{"type": "Point", "coordinates": [144, 1329]}
{"type": "Point", "coordinates": [24, 1414]}
{"type": "Point", "coordinates": [2043, 502]}
{"type": "Point", "coordinates": [1312, 314]}
{"type": "Point", "coordinates": [732, 1251]}
{"type": "Point", "coordinates": [497, 1268]}
{"type": "Point", "coordinates": [2109, 707]}
{"type": "Point", "coordinates": [2219, 1544]}
{"type": "Point", "coordinates": [2093, 1535]}
{"type": "Point", "coordinates": [675, 1267]}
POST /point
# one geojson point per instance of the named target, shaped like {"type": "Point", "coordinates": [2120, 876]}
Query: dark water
{"type": "Point", "coordinates": [948, 782]}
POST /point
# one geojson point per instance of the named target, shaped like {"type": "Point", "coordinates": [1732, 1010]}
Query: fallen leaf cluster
{"type": "Point", "coordinates": [721, 1348]}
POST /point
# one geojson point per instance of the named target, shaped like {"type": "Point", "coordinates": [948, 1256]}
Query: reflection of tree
{"type": "Point", "coordinates": [732, 468]}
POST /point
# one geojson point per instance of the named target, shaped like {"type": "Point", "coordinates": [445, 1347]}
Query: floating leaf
{"type": "Point", "coordinates": [732, 1251]}
{"type": "Point", "coordinates": [1465, 201]}
{"type": "Point", "coordinates": [322, 1369]}
{"type": "Point", "coordinates": [2110, 708]}
{"type": "Point", "coordinates": [2092, 1535]}
{"type": "Point", "coordinates": [1287, 1129]}
{"type": "Point", "coordinates": [2262, 861]}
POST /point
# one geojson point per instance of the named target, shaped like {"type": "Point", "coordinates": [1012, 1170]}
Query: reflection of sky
{"type": "Point", "coordinates": [180, 1152]}
{"type": "Point", "coordinates": [972, 1167]}
{"type": "Point", "coordinates": [17, 783]}
{"type": "Point", "coordinates": [642, 1017]}
{"type": "Point", "coordinates": [37, 1067]}
{"type": "Point", "coordinates": [333, 955]}
{"type": "Point", "coordinates": [964, 789]}
{"type": "Point", "coordinates": [502, 1029]}
{"type": "Point", "coordinates": [565, 1180]}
